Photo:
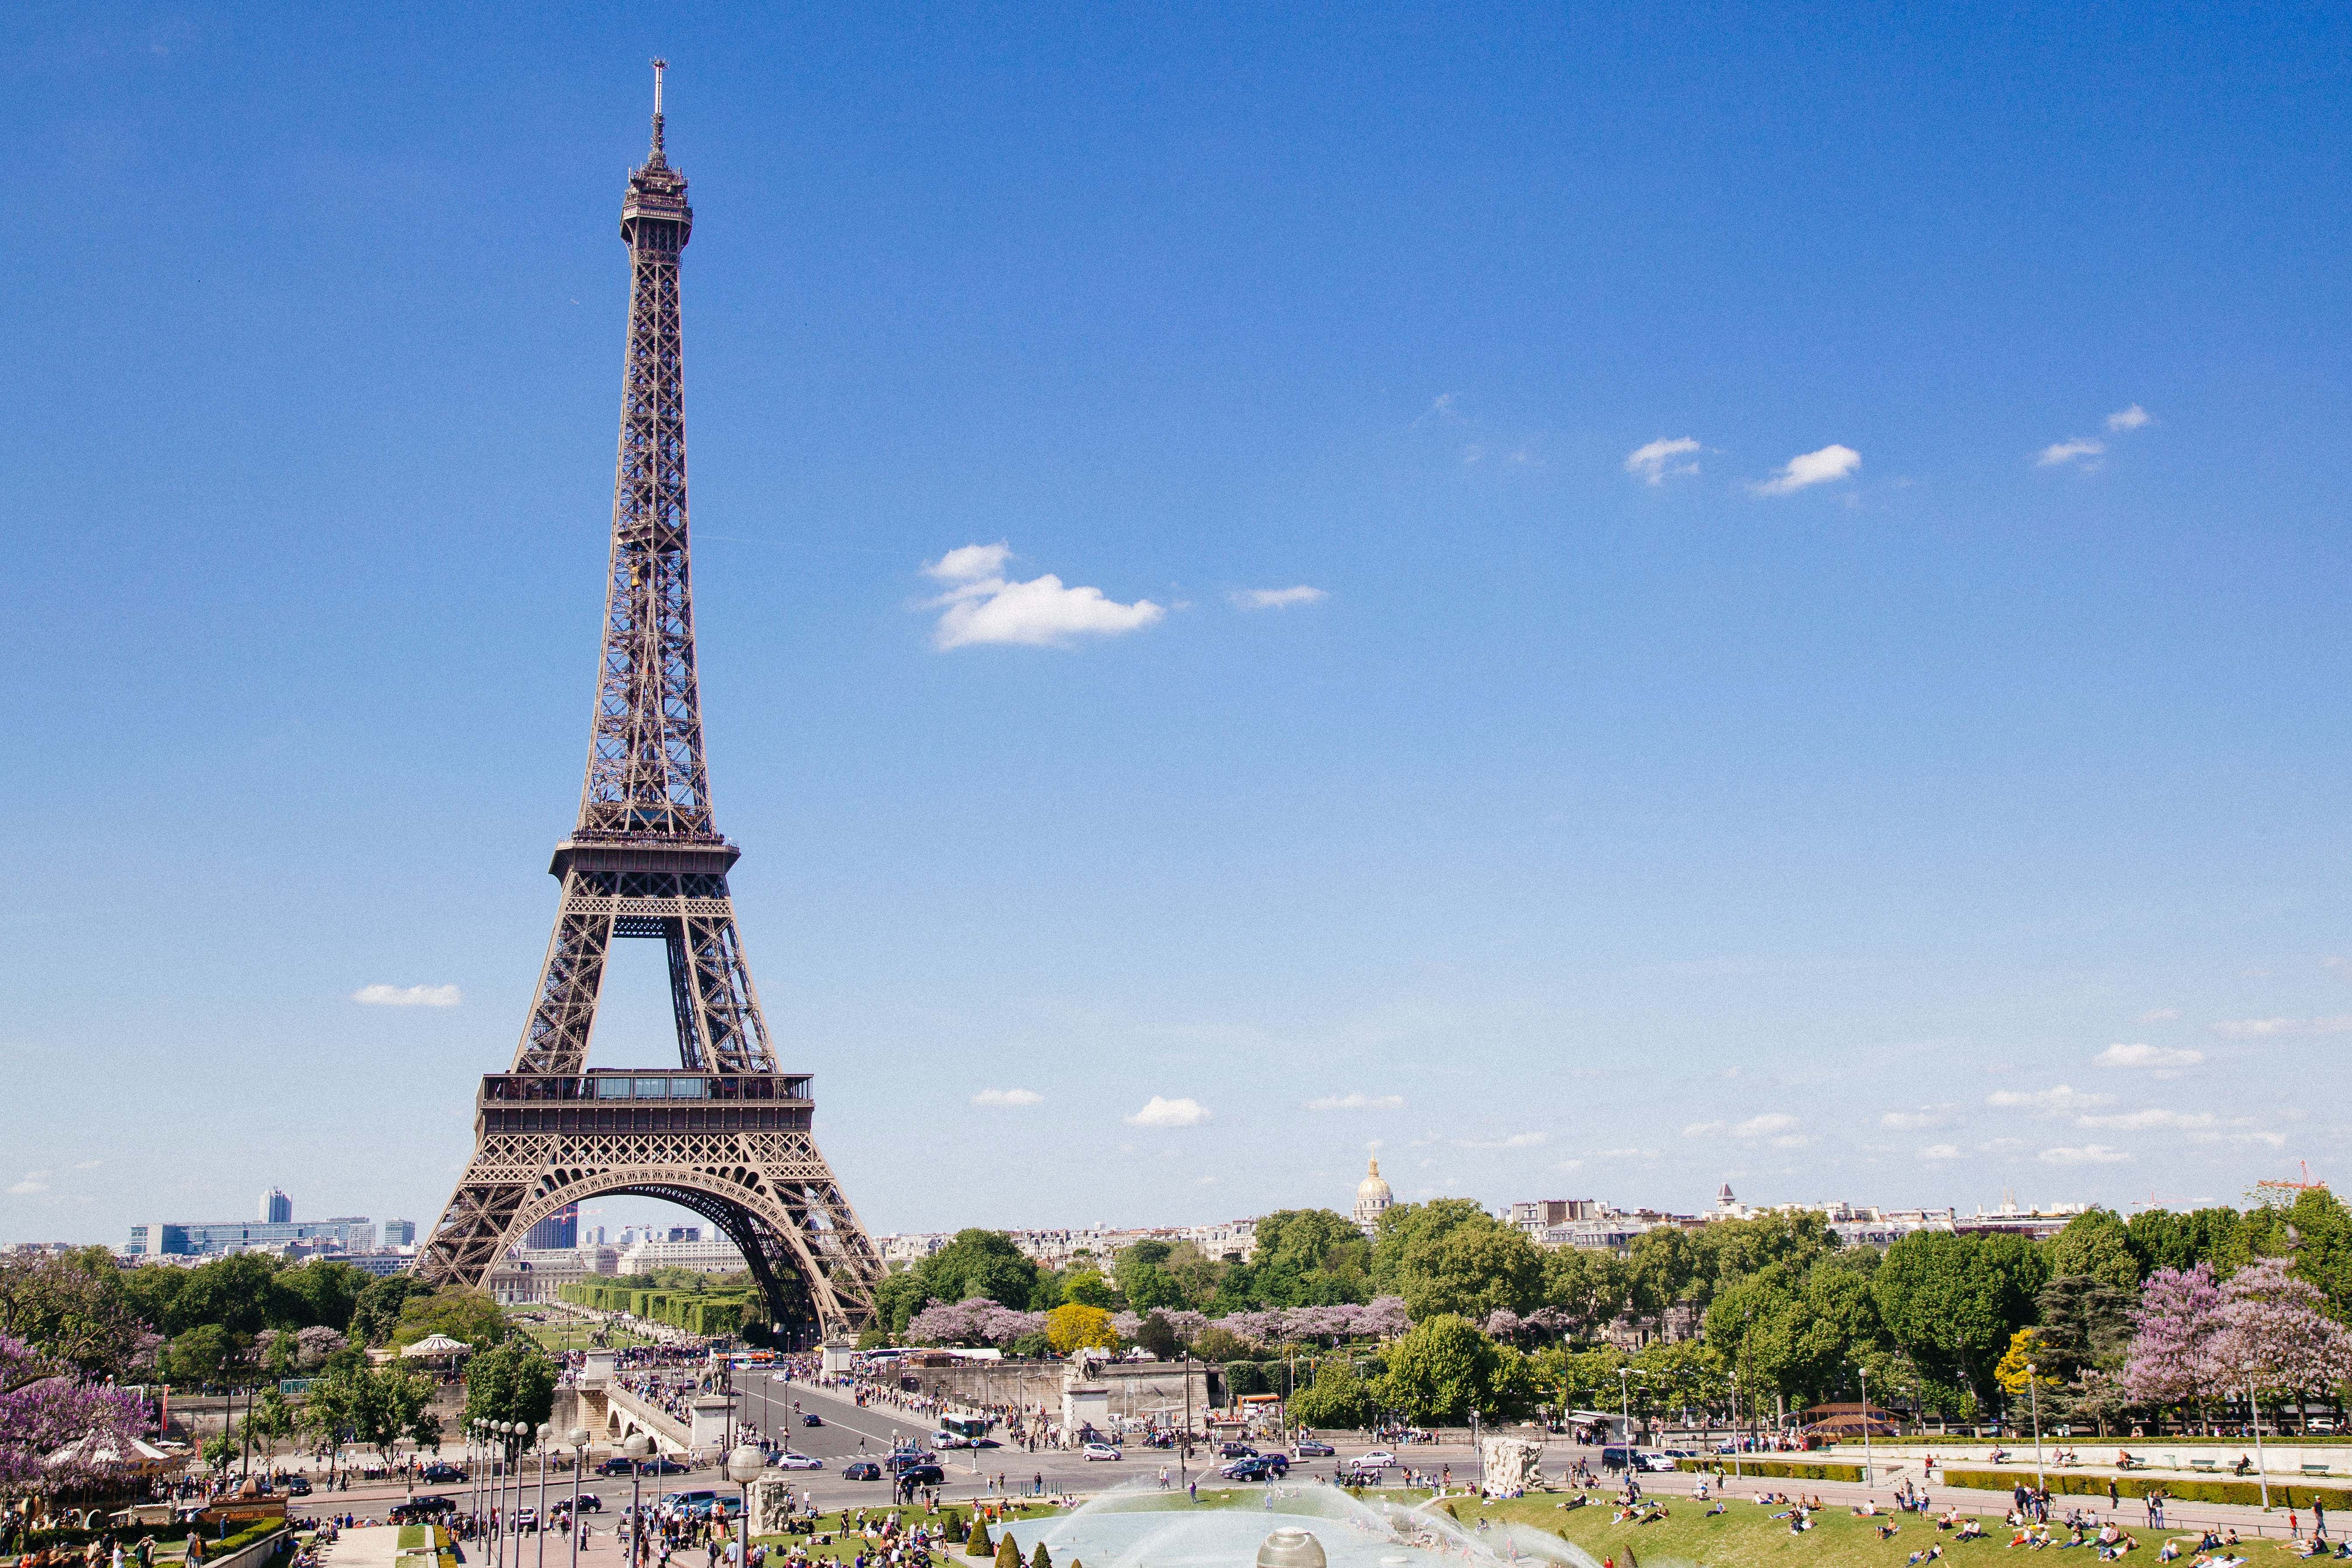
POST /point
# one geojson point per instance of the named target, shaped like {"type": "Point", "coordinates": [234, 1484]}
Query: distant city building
{"type": "Point", "coordinates": [532, 1274]}
{"type": "Point", "coordinates": [1535, 1218]}
{"type": "Point", "coordinates": [684, 1233]}
{"type": "Point", "coordinates": [718, 1256]}
{"type": "Point", "coordinates": [593, 1236]}
{"type": "Point", "coordinates": [166, 1238]}
{"type": "Point", "coordinates": [277, 1208]}
{"type": "Point", "coordinates": [400, 1232]}
{"type": "Point", "coordinates": [558, 1232]}
{"type": "Point", "coordinates": [379, 1263]}
{"type": "Point", "coordinates": [1373, 1199]}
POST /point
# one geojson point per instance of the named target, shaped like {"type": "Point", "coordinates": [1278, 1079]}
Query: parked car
{"type": "Point", "coordinates": [861, 1470]}
{"type": "Point", "coordinates": [1257, 1468]}
{"type": "Point", "coordinates": [1102, 1451]}
{"type": "Point", "coordinates": [811, 1418]}
{"type": "Point", "coordinates": [792, 1461]}
{"type": "Point", "coordinates": [1234, 1450]}
{"type": "Point", "coordinates": [440, 1474]}
{"type": "Point", "coordinates": [663, 1465]}
{"type": "Point", "coordinates": [1315, 1448]}
{"type": "Point", "coordinates": [418, 1510]}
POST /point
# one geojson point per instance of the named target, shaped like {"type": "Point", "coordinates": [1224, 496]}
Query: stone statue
{"type": "Point", "coordinates": [1511, 1465]}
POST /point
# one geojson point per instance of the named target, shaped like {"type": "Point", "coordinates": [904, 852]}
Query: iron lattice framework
{"type": "Point", "coordinates": [729, 1135]}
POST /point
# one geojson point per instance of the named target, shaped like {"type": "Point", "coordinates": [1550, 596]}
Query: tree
{"type": "Point", "coordinates": [46, 1405]}
{"type": "Point", "coordinates": [1583, 1288]}
{"type": "Point", "coordinates": [72, 1311]}
{"type": "Point", "coordinates": [2021, 1367]}
{"type": "Point", "coordinates": [1951, 1301]}
{"type": "Point", "coordinates": [1076, 1326]}
{"type": "Point", "coordinates": [1156, 1334]}
{"type": "Point", "coordinates": [207, 1356]}
{"type": "Point", "coordinates": [1337, 1398]}
{"type": "Point", "coordinates": [514, 1381]}
{"type": "Point", "coordinates": [1451, 1256]}
{"type": "Point", "coordinates": [2174, 1329]}
{"type": "Point", "coordinates": [473, 1317]}
{"type": "Point", "coordinates": [375, 1313]}
{"type": "Point", "coordinates": [1008, 1550]}
{"type": "Point", "coordinates": [2086, 1323]}
{"type": "Point", "coordinates": [977, 1545]}
{"type": "Point", "coordinates": [1087, 1287]}
{"type": "Point", "coordinates": [1441, 1371]}
{"type": "Point", "coordinates": [2274, 1337]}
{"type": "Point", "coordinates": [2095, 1244]}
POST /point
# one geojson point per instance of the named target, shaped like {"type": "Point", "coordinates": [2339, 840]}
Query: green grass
{"type": "Point", "coordinates": [844, 1548]}
{"type": "Point", "coordinates": [558, 1339]}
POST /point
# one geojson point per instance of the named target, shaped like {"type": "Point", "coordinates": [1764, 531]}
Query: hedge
{"type": "Point", "coordinates": [711, 1315]}
{"type": "Point", "coordinates": [1780, 1468]}
{"type": "Point", "coordinates": [2283, 1493]}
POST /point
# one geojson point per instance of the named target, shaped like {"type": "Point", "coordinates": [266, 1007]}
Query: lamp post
{"type": "Point", "coordinates": [1626, 1412]}
{"type": "Point", "coordinates": [539, 1524]}
{"type": "Point", "coordinates": [743, 1467]}
{"type": "Point", "coordinates": [579, 1436]}
{"type": "Point", "coordinates": [2033, 1404]}
{"type": "Point", "coordinates": [1868, 1478]}
{"type": "Point", "coordinates": [636, 1449]}
{"type": "Point", "coordinates": [2262, 1471]}
{"type": "Point", "coordinates": [1734, 1378]}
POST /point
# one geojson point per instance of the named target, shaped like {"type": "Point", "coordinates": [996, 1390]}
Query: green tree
{"type": "Point", "coordinates": [1337, 1398]}
{"type": "Point", "coordinates": [473, 1317]}
{"type": "Point", "coordinates": [376, 1312]}
{"type": "Point", "coordinates": [74, 1308]}
{"type": "Point", "coordinates": [1451, 1256]}
{"type": "Point", "coordinates": [232, 1291]}
{"type": "Point", "coordinates": [1661, 1268]}
{"type": "Point", "coordinates": [1587, 1286]}
{"type": "Point", "coordinates": [207, 1355]}
{"type": "Point", "coordinates": [1008, 1550]}
{"type": "Point", "coordinates": [2095, 1245]}
{"type": "Point", "coordinates": [2161, 1238]}
{"type": "Point", "coordinates": [513, 1380]}
{"type": "Point", "coordinates": [1952, 1300]}
{"type": "Point", "coordinates": [322, 1293]}
{"type": "Point", "coordinates": [1087, 1287]}
{"type": "Point", "coordinates": [1441, 1369]}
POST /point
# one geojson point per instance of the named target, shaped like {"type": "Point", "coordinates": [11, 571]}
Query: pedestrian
{"type": "Point", "coordinates": [2319, 1518]}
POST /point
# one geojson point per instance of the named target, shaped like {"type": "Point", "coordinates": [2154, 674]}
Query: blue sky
{"type": "Point", "coordinates": [1587, 835]}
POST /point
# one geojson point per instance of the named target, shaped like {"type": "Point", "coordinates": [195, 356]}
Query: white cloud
{"type": "Point", "coordinates": [1940, 1152]}
{"type": "Point", "coordinates": [1790, 1141]}
{"type": "Point", "coordinates": [1007, 1097]}
{"type": "Point", "coordinates": [408, 995]}
{"type": "Point", "coordinates": [1810, 468]}
{"type": "Point", "coordinates": [1650, 464]}
{"type": "Point", "coordinates": [1769, 1123]}
{"type": "Point", "coordinates": [1158, 1113]}
{"type": "Point", "coordinates": [1916, 1120]}
{"type": "Point", "coordinates": [33, 1183]}
{"type": "Point", "coordinates": [2130, 418]}
{"type": "Point", "coordinates": [1277, 598]}
{"type": "Point", "coordinates": [1510, 1140]}
{"type": "Point", "coordinates": [2166, 1061]}
{"type": "Point", "coordinates": [2149, 1121]}
{"type": "Point", "coordinates": [1358, 1102]}
{"type": "Point", "coordinates": [1625, 1154]}
{"type": "Point", "coordinates": [2085, 452]}
{"type": "Point", "coordinates": [2259, 1028]}
{"type": "Point", "coordinates": [2088, 1154]}
{"type": "Point", "coordinates": [2059, 1100]}
{"type": "Point", "coordinates": [2159, 1015]}
{"type": "Point", "coordinates": [1204, 1181]}
{"type": "Point", "coordinates": [1702, 1129]}
{"type": "Point", "coordinates": [983, 606]}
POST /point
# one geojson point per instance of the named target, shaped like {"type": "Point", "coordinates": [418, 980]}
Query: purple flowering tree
{"type": "Point", "coordinates": [2276, 1337]}
{"type": "Point", "coordinates": [2174, 1329]}
{"type": "Point", "coordinates": [56, 1430]}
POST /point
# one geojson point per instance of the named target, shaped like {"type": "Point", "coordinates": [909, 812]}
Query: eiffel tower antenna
{"type": "Point", "coordinates": [726, 1133]}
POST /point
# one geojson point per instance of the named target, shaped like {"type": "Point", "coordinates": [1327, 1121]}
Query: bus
{"type": "Point", "coordinates": [967, 1431]}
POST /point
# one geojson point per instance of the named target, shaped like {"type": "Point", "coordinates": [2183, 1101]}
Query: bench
{"type": "Point", "coordinates": [2205, 1465]}
{"type": "Point", "coordinates": [2315, 1469]}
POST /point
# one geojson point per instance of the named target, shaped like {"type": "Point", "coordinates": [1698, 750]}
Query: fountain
{"type": "Point", "coordinates": [1139, 1525]}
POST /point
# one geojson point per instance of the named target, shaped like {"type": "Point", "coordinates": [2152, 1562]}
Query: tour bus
{"type": "Point", "coordinates": [967, 1431]}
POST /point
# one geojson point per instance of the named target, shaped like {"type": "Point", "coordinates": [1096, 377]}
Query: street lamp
{"type": "Point", "coordinates": [539, 1524]}
{"type": "Point", "coordinates": [1734, 1379]}
{"type": "Point", "coordinates": [636, 1449]}
{"type": "Point", "coordinates": [1626, 1413]}
{"type": "Point", "coordinates": [2033, 1404]}
{"type": "Point", "coordinates": [579, 1436]}
{"type": "Point", "coordinates": [743, 1467]}
{"type": "Point", "coordinates": [2262, 1471]}
{"type": "Point", "coordinates": [1863, 1372]}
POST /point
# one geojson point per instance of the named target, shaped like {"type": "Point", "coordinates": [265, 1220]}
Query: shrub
{"type": "Point", "coordinates": [1787, 1470]}
{"type": "Point", "coordinates": [1008, 1551]}
{"type": "Point", "coordinates": [2181, 1490]}
{"type": "Point", "coordinates": [1041, 1558]}
{"type": "Point", "coordinates": [978, 1546]}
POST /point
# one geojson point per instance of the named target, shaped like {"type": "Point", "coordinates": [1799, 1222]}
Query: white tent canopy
{"type": "Point", "coordinates": [437, 1345]}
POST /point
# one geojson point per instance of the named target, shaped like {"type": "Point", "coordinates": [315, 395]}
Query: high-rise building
{"type": "Point", "coordinates": [559, 1231]}
{"type": "Point", "coordinates": [277, 1208]}
{"type": "Point", "coordinates": [400, 1232]}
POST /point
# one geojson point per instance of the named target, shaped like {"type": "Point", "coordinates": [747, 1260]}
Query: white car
{"type": "Point", "coordinates": [780, 1377]}
{"type": "Point", "coordinates": [946, 1440]}
{"type": "Point", "coordinates": [1379, 1458]}
{"type": "Point", "coordinates": [792, 1461]}
{"type": "Point", "coordinates": [1102, 1451]}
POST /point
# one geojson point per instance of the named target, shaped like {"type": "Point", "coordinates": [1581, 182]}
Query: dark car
{"type": "Point", "coordinates": [663, 1465]}
{"type": "Point", "coordinates": [861, 1470]}
{"type": "Point", "coordinates": [1256, 1467]}
{"type": "Point", "coordinates": [418, 1509]}
{"type": "Point", "coordinates": [812, 1419]}
{"type": "Point", "coordinates": [1312, 1448]}
{"type": "Point", "coordinates": [589, 1503]}
{"type": "Point", "coordinates": [906, 1458]}
{"type": "Point", "coordinates": [924, 1475]}
{"type": "Point", "coordinates": [439, 1474]}
{"type": "Point", "coordinates": [1235, 1451]}
{"type": "Point", "coordinates": [297, 1486]}
{"type": "Point", "coordinates": [615, 1466]}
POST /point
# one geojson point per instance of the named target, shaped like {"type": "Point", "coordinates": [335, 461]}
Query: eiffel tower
{"type": "Point", "coordinates": [725, 1134]}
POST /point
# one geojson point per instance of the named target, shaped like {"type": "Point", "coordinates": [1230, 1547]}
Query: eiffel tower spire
{"type": "Point", "coordinates": [729, 1136]}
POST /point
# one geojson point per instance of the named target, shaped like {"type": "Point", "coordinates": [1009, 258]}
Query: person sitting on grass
{"type": "Point", "coordinates": [1719, 1508]}
{"type": "Point", "coordinates": [1973, 1529]}
{"type": "Point", "coordinates": [1926, 1555]}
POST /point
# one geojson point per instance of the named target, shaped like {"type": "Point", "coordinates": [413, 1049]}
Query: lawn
{"type": "Point", "coordinates": [842, 1548]}
{"type": "Point", "coordinates": [558, 1338]}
